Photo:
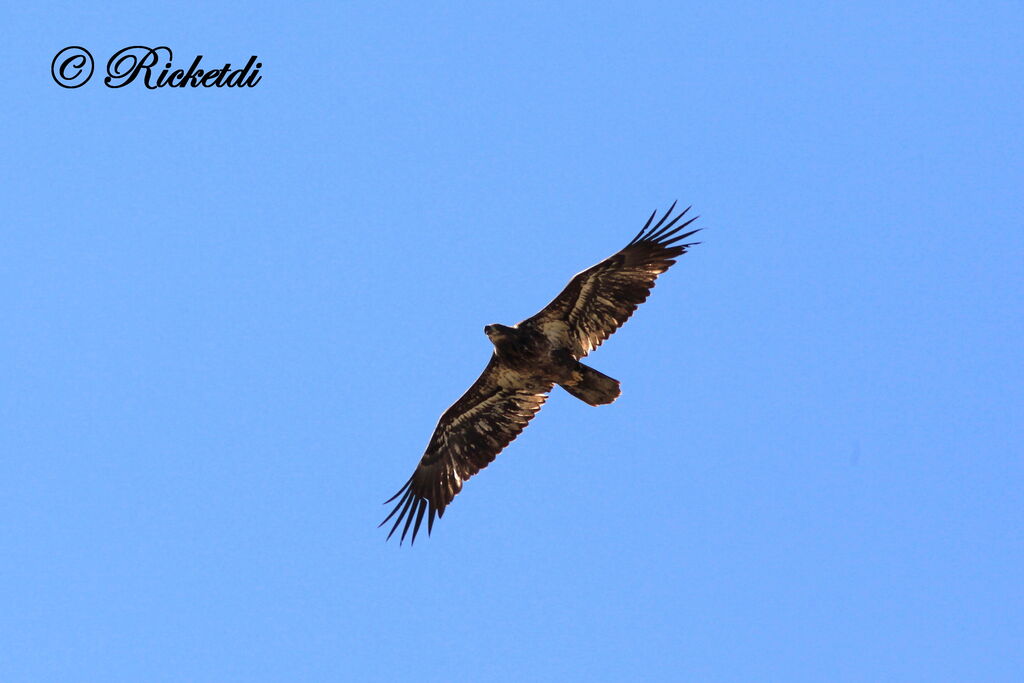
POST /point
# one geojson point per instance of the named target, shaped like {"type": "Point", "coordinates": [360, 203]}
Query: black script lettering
{"type": "Point", "coordinates": [212, 77]}
{"type": "Point", "coordinates": [241, 78]}
{"type": "Point", "coordinates": [76, 61]}
{"type": "Point", "coordinates": [125, 65]}
{"type": "Point", "coordinates": [173, 79]}
{"type": "Point", "coordinates": [192, 76]}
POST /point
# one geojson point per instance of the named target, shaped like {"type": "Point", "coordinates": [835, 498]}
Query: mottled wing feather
{"type": "Point", "coordinates": [467, 438]}
{"type": "Point", "coordinates": [597, 301]}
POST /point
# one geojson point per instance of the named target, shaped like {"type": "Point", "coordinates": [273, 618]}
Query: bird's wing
{"type": "Point", "coordinates": [467, 438]}
{"type": "Point", "coordinates": [597, 301]}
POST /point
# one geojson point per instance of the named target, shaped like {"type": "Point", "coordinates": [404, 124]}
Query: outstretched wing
{"type": "Point", "coordinates": [467, 438]}
{"type": "Point", "coordinates": [599, 300]}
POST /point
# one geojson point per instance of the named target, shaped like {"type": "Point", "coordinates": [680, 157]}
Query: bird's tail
{"type": "Point", "coordinates": [592, 387]}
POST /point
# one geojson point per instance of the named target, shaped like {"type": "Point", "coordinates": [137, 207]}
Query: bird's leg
{"type": "Point", "coordinates": [566, 369]}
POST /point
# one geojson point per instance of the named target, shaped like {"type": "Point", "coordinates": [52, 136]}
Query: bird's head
{"type": "Point", "coordinates": [497, 333]}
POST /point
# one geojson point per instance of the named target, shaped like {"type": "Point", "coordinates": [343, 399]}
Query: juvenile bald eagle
{"type": "Point", "coordinates": [528, 360]}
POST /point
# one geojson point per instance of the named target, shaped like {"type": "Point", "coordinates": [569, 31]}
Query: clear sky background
{"type": "Point", "coordinates": [231, 319]}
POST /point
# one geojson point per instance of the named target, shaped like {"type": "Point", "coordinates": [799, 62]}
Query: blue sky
{"type": "Point", "coordinates": [232, 318]}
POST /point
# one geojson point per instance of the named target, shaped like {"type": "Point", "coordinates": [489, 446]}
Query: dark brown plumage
{"type": "Point", "coordinates": [528, 360]}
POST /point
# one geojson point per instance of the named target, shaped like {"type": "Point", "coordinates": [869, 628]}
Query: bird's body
{"type": "Point", "coordinates": [528, 360]}
{"type": "Point", "coordinates": [543, 351]}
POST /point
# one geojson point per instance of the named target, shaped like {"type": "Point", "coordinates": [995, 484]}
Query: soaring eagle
{"type": "Point", "coordinates": [528, 360]}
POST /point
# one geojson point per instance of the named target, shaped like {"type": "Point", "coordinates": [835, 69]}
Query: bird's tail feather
{"type": "Point", "coordinates": [593, 387]}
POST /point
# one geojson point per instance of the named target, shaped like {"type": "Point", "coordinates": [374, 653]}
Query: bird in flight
{"type": "Point", "coordinates": [528, 360]}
